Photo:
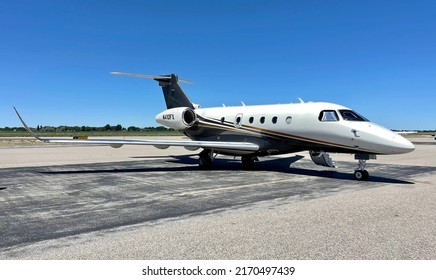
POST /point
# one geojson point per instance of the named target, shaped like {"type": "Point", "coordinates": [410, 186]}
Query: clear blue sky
{"type": "Point", "coordinates": [377, 57]}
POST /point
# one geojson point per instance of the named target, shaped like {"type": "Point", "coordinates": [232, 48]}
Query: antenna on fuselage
{"type": "Point", "coordinates": [301, 100]}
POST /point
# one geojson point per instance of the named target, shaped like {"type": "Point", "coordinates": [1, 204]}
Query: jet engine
{"type": "Point", "coordinates": [177, 118]}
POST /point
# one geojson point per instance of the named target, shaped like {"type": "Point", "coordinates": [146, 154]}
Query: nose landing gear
{"type": "Point", "coordinates": [360, 173]}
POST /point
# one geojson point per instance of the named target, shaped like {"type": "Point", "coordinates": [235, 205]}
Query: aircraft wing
{"type": "Point", "coordinates": [405, 132]}
{"type": "Point", "coordinates": [242, 147]}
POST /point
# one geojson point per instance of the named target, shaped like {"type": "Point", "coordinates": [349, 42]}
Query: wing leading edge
{"type": "Point", "coordinates": [241, 147]}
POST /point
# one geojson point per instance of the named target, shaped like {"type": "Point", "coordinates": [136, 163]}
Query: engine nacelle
{"type": "Point", "coordinates": [177, 118]}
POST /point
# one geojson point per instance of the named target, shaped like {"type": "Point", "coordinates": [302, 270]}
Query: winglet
{"type": "Point", "coordinates": [26, 127]}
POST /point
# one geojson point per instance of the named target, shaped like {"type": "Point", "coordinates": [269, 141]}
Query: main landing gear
{"type": "Point", "coordinates": [248, 161]}
{"type": "Point", "coordinates": [360, 173]}
{"type": "Point", "coordinates": [206, 158]}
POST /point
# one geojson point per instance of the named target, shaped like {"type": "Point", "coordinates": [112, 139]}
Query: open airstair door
{"type": "Point", "coordinates": [321, 158]}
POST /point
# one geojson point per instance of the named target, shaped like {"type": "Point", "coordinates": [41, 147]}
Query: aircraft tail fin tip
{"type": "Point", "coordinates": [173, 93]}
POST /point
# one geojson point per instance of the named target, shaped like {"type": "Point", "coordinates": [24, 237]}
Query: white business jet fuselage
{"type": "Point", "coordinates": [288, 128]}
{"type": "Point", "coordinates": [253, 131]}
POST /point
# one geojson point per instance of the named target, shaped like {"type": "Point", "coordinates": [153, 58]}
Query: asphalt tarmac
{"type": "Point", "coordinates": [162, 207]}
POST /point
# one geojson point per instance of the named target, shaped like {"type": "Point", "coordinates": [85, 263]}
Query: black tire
{"type": "Point", "coordinates": [247, 162]}
{"type": "Point", "coordinates": [205, 161]}
{"type": "Point", "coordinates": [358, 174]}
{"type": "Point", "coordinates": [361, 175]}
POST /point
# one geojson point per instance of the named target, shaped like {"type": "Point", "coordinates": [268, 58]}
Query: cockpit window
{"type": "Point", "coordinates": [328, 116]}
{"type": "Point", "coordinates": [349, 115]}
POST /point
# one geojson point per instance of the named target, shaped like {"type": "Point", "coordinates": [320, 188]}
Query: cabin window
{"type": "Point", "coordinates": [251, 119]}
{"type": "Point", "coordinates": [223, 119]}
{"type": "Point", "coordinates": [274, 120]}
{"type": "Point", "coordinates": [328, 116]}
{"type": "Point", "coordinates": [288, 120]}
{"type": "Point", "coordinates": [262, 119]}
{"type": "Point", "coordinates": [349, 115]}
{"type": "Point", "coordinates": [238, 120]}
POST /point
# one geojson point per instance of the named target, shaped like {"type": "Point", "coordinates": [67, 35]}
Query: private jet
{"type": "Point", "coordinates": [250, 132]}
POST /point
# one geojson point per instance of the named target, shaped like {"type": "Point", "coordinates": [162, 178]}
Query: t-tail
{"type": "Point", "coordinates": [174, 95]}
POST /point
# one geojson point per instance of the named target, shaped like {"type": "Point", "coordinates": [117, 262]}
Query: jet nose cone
{"type": "Point", "coordinates": [401, 145]}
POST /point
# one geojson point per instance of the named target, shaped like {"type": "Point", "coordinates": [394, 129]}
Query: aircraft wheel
{"type": "Point", "coordinates": [248, 162]}
{"type": "Point", "coordinates": [361, 175]}
{"type": "Point", "coordinates": [205, 161]}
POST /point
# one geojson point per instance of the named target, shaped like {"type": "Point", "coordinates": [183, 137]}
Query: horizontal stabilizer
{"type": "Point", "coordinates": [173, 93]}
{"type": "Point", "coordinates": [155, 77]}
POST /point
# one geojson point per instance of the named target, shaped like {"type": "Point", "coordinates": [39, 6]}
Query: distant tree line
{"type": "Point", "coordinates": [108, 127]}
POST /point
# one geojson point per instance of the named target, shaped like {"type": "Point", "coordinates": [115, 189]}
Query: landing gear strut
{"type": "Point", "coordinates": [205, 160]}
{"type": "Point", "coordinates": [360, 173]}
{"type": "Point", "coordinates": [248, 161]}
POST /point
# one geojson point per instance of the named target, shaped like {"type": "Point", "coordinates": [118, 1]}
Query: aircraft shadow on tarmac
{"type": "Point", "coordinates": [424, 143]}
{"type": "Point", "coordinates": [189, 163]}
{"type": "Point", "coordinates": [284, 165]}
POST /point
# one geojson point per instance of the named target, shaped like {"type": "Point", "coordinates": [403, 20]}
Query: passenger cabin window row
{"type": "Point", "coordinates": [262, 120]}
{"type": "Point", "coordinates": [273, 120]}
